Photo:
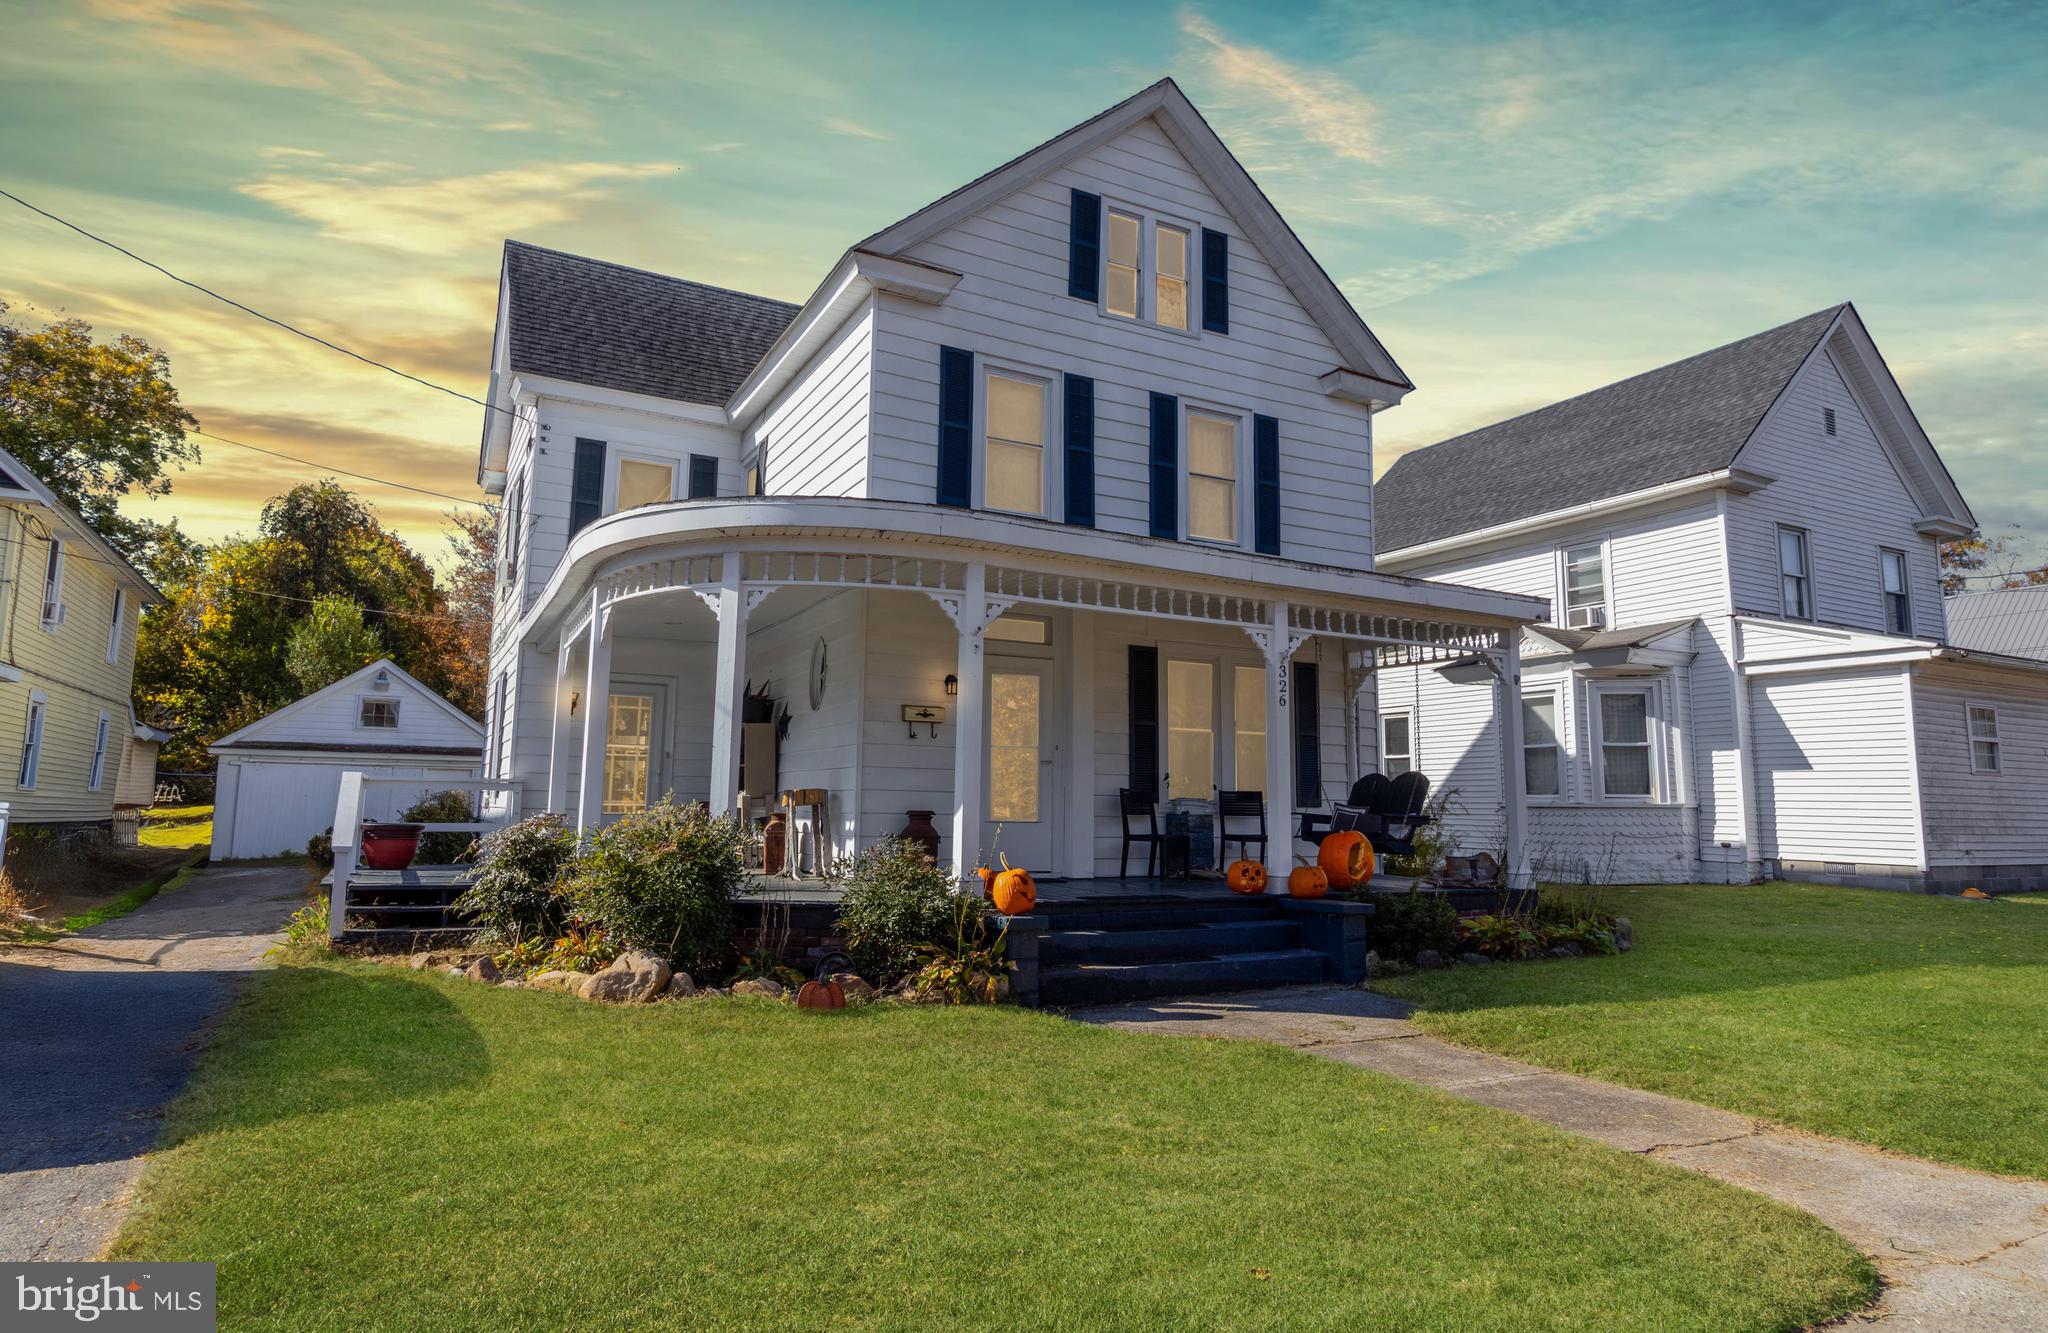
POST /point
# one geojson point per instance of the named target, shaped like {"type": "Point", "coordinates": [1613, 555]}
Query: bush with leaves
{"type": "Point", "coordinates": [1403, 924]}
{"type": "Point", "coordinates": [664, 879]}
{"type": "Point", "coordinates": [443, 807]}
{"type": "Point", "coordinates": [320, 848]}
{"type": "Point", "coordinates": [516, 895]}
{"type": "Point", "coordinates": [895, 904]}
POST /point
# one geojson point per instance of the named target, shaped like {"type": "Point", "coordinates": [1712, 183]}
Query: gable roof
{"type": "Point", "coordinates": [18, 483]}
{"type": "Point", "coordinates": [614, 327]}
{"type": "Point", "coordinates": [252, 736]}
{"type": "Point", "coordinates": [2012, 621]}
{"type": "Point", "coordinates": [1681, 420]}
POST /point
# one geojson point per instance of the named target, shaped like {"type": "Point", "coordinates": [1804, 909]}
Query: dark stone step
{"type": "Point", "coordinates": [1111, 983]}
{"type": "Point", "coordinates": [1204, 940]}
{"type": "Point", "coordinates": [1156, 916]}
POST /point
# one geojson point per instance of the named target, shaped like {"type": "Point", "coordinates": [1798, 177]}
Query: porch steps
{"type": "Point", "coordinates": [1208, 939]}
{"type": "Point", "coordinates": [1106, 953]}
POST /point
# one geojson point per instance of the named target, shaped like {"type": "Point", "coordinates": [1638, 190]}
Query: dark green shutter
{"type": "Point", "coordinates": [1144, 709]}
{"type": "Point", "coordinates": [1215, 281]}
{"type": "Point", "coordinates": [956, 427]}
{"type": "Point", "coordinates": [586, 487]}
{"type": "Point", "coordinates": [1080, 442]}
{"type": "Point", "coordinates": [1084, 247]}
{"type": "Point", "coordinates": [1165, 465]}
{"type": "Point", "coordinates": [1308, 738]}
{"type": "Point", "coordinates": [703, 477]}
{"type": "Point", "coordinates": [1266, 485]}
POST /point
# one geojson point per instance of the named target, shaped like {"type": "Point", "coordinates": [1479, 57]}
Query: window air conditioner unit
{"type": "Point", "coordinates": [53, 613]}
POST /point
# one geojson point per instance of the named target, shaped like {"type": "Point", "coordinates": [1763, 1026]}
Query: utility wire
{"type": "Point", "coordinates": [359, 476]}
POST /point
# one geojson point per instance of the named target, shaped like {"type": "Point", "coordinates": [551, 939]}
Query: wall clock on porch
{"type": "Point", "coordinates": [817, 675]}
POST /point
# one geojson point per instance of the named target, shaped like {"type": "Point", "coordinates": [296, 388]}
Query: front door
{"type": "Point", "coordinates": [635, 747]}
{"type": "Point", "coordinates": [1023, 793]}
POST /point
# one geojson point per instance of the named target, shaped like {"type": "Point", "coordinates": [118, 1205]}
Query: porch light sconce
{"type": "Point", "coordinates": [929, 714]}
{"type": "Point", "coordinates": [952, 686]}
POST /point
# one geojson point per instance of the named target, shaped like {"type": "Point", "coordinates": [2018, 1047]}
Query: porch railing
{"type": "Point", "coordinates": [365, 799]}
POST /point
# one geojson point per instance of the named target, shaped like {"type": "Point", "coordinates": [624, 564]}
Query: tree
{"type": "Point", "coordinates": [471, 597]}
{"type": "Point", "coordinates": [331, 642]}
{"type": "Point", "coordinates": [1991, 562]}
{"type": "Point", "coordinates": [95, 421]}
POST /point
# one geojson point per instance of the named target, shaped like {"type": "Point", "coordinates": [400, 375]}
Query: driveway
{"type": "Point", "coordinates": [100, 1032]}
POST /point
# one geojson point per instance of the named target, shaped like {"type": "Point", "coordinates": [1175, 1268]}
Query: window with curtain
{"type": "Point", "coordinates": [1120, 266]}
{"type": "Point", "coordinates": [1248, 704]}
{"type": "Point", "coordinates": [1013, 445]}
{"type": "Point", "coordinates": [1190, 729]}
{"type": "Point", "coordinates": [1212, 477]}
{"type": "Point", "coordinates": [643, 482]}
{"type": "Point", "coordinates": [1397, 754]}
{"type": "Point", "coordinates": [1795, 575]}
{"type": "Point", "coordinates": [1984, 751]}
{"type": "Point", "coordinates": [1898, 605]}
{"type": "Point", "coordinates": [1170, 276]}
{"type": "Point", "coordinates": [1541, 771]}
{"type": "Point", "coordinates": [1624, 742]}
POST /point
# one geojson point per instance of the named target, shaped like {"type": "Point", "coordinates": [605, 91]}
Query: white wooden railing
{"type": "Point", "coordinates": [364, 799]}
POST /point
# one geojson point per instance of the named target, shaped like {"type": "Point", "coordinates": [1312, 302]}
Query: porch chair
{"type": "Point", "coordinates": [1365, 794]}
{"type": "Point", "coordinates": [1401, 812]}
{"type": "Point", "coordinates": [1130, 804]}
{"type": "Point", "coordinates": [1240, 805]}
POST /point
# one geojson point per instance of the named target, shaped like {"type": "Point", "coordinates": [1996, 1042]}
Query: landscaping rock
{"type": "Point", "coordinates": [758, 986]}
{"type": "Point", "coordinates": [710, 992]}
{"type": "Point", "coordinates": [1559, 951]}
{"type": "Point", "coordinates": [1372, 963]}
{"type": "Point", "coordinates": [1624, 935]}
{"type": "Point", "coordinates": [680, 987]}
{"type": "Point", "coordinates": [1573, 948]}
{"type": "Point", "coordinates": [857, 990]}
{"type": "Point", "coordinates": [557, 980]}
{"type": "Point", "coordinates": [483, 969]}
{"type": "Point", "coordinates": [635, 977]}
{"type": "Point", "coordinates": [420, 962]}
{"type": "Point", "coordinates": [1429, 958]}
{"type": "Point", "coordinates": [1473, 959]}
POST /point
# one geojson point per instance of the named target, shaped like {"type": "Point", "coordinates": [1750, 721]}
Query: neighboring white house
{"type": "Point", "coordinates": [1747, 671]}
{"type": "Point", "coordinates": [278, 777]}
{"type": "Point", "coordinates": [1058, 486]}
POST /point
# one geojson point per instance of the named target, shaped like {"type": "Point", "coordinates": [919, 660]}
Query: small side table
{"type": "Point", "coordinates": [813, 799]}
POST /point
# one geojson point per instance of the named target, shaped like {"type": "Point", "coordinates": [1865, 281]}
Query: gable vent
{"type": "Point", "coordinates": [1827, 417]}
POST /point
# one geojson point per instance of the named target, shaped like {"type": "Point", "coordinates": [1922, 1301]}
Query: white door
{"type": "Point", "coordinates": [635, 747]}
{"type": "Point", "coordinates": [1023, 787]}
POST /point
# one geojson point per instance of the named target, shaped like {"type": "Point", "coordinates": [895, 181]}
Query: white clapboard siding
{"type": "Point", "coordinates": [1982, 818]}
{"type": "Point", "coordinates": [823, 747]}
{"type": "Point", "coordinates": [813, 437]}
{"type": "Point", "coordinates": [1456, 746]}
{"type": "Point", "coordinates": [911, 648]}
{"type": "Point", "coordinates": [1717, 771]}
{"type": "Point", "coordinates": [1845, 492]}
{"type": "Point", "coordinates": [1834, 780]}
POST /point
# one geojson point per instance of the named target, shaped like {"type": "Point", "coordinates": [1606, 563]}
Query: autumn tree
{"type": "Point", "coordinates": [471, 590]}
{"type": "Point", "coordinates": [1990, 562]}
{"type": "Point", "coordinates": [330, 643]}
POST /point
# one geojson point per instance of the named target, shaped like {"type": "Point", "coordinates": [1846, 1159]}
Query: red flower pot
{"type": "Point", "coordinates": [390, 846]}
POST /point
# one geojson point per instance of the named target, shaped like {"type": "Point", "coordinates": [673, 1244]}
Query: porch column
{"type": "Point", "coordinates": [596, 706]}
{"type": "Point", "coordinates": [729, 687]}
{"type": "Point", "coordinates": [564, 731]}
{"type": "Point", "coordinates": [1279, 746]}
{"type": "Point", "coordinates": [970, 724]}
{"type": "Point", "coordinates": [1514, 796]}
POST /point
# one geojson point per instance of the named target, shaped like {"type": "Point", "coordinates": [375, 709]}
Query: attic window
{"type": "Point", "coordinates": [1827, 417]}
{"type": "Point", "coordinates": [377, 712]}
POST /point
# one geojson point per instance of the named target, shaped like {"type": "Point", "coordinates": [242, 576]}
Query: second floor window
{"type": "Point", "coordinates": [645, 481]}
{"type": "Point", "coordinates": [1795, 575]}
{"type": "Point", "coordinates": [53, 585]}
{"type": "Point", "coordinates": [1212, 477]}
{"type": "Point", "coordinates": [1397, 747]}
{"type": "Point", "coordinates": [1585, 586]}
{"type": "Point", "coordinates": [1898, 604]}
{"type": "Point", "coordinates": [1013, 445]}
{"type": "Point", "coordinates": [114, 630]}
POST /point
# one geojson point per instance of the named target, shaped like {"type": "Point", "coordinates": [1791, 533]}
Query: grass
{"type": "Point", "coordinates": [177, 826]}
{"type": "Point", "coordinates": [368, 1147]}
{"type": "Point", "coordinates": [121, 904]}
{"type": "Point", "coordinates": [1901, 1020]}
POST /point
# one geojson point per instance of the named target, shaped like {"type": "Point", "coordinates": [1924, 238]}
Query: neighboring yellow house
{"type": "Point", "coordinates": [69, 606]}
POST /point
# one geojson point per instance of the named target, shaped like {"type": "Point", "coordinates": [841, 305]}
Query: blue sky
{"type": "Point", "coordinates": [1525, 201]}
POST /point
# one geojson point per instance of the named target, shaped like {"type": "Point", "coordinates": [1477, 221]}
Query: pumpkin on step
{"type": "Point", "coordinates": [1245, 877]}
{"type": "Point", "coordinates": [1347, 859]}
{"type": "Point", "coordinates": [1014, 892]}
{"type": "Point", "coordinates": [988, 881]}
{"type": "Point", "coordinates": [1307, 881]}
{"type": "Point", "coordinates": [825, 994]}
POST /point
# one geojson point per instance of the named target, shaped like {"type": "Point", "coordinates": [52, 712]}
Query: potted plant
{"type": "Point", "coordinates": [390, 846]}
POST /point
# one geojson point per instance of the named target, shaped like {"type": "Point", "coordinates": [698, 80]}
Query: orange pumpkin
{"type": "Point", "coordinates": [1015, 892]}
{"type": "Point", "coordinates": [988, 881]}
{"type": "Point", "coordinates": [1306, 881]}
{"type": "Point", "coordinates": [1346, 858]}
{"type": "Point", "coordinates": [826, 994]}
{"type": "Point", "coordinates": [1245, 877]}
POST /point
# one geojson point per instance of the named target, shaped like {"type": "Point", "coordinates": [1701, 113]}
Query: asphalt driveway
{"type": "Point", "coordinates": [98, 1033]}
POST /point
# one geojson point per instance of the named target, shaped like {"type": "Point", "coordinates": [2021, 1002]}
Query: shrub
{"type": "Point", "coordinates": [895, 904]}
{"type": "Point", "coordinates": [664, 880]}
{"type": "Point", "coordinates": [1570, 918]}
{"type": "Point", "coordinates": [443, 807]}
{"type": "Point", "coordinates": [970, 968]}
{"type": "Point", "coordinates": [516, 895]}
{"type": "Point", "coordinates": [1405, 923]}
{"type": "Point", "coordinates": [305, 935]}
{"type": "Point", "coordinates": [1502, 937]}
{"type": "Point", "coordinates": [320, 849]}
{"type": "Point", "coordinates": [1433, 841]}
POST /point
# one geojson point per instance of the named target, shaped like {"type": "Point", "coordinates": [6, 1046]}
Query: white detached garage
{"type": "Point", "coordinates": [279, 776]}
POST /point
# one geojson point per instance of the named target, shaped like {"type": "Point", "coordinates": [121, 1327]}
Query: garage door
{"type": "Point", "coordinates": [278, 806]}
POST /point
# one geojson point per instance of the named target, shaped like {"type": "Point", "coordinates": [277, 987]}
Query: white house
{"type": "Point", "coordinates": [277, 778]}
{"type": "Point", "coordinates": [1747, 670]}
{"type": "Point", "coordinates": [1058, 486]}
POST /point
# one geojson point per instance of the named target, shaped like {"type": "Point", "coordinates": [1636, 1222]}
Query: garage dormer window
{"type": "Point", "coordinates": [377, 712]}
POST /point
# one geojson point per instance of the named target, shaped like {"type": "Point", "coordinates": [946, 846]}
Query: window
{"type": "Point", "coordinates": [1585, 586]}
{"type": "Point", "coordinates": [501, 727]}
{"type": "Point", "coordinates": [31, 742]}
{"type": "Point", "coordinates": [628, 752]}
{"type": "Point", "coordinates": [1898, 604]}
{"type": "Point", "coordinates": [1120, 292]}
{"type": "Point", "coordinates": [703, 477]}
{"type": "Point", "coordinates": [1624, 743]}
{"type": "Point", "coordinates": [1190, 729]}
{"type": "Point", "coordinates": [1795, 575]}
{"type": "Point", "coordinates": [114, 630]}
{"type": "Point", "coordinates": [1016, 710]}
{"type": "Point", "coordinates": [1019, 629]}
{"type": "Point", "coordinates": [645, 482]}
{"type": "Point", "coordinates": [377, 712]}
{"type": "Point", "coordinates": [514, 506]}
{"type": "Point", "coordinates": [1541, 771]}
{"type": "Point", "coordinates": [754, 480]}
{"type": "Point", "coordinates": [1170, 276]}
{"type": "Point", "coordinates": [1212, 477]}
{"type": "Point", "coordinates": [1397, 753]}
{"type": "Point", "coordinates": [1984, 756]}
{"type": "Point", "coordinates": [1013, 445]}
{"type": "Point", "coordinates": [98, 772]}
{"type": "Point", "coordinates": [1248, 697]}
{"type": "Point", "coordinates": [53, 585]}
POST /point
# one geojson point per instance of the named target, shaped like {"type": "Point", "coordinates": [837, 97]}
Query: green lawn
{"type": "Point", "coordinates": [373, 1147]}
{"type": "Point", "coordinates": [177, 826]}
{"type": "Point", "coordinates": [1910, 1022]}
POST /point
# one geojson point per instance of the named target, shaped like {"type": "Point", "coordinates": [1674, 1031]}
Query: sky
{"type": "Point", "coordinates": [1524, 200]}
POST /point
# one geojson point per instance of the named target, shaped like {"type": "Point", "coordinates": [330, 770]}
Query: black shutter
{"type": "Point", "coordinates": [1266, 485]}
{"type": "Point", "coordinates": [956, 427]}
{"type": "Point", "coordinates": [1080, 441]}
{"type": "Point", "coordinates": [1084, 247]}
{"type": "Point", "coordinates": [703, 477]}
{"type": "Point", "coordinates": [1165, 465]}
{"type": "Point", "coordinates": [586, 490]}
{"type": "Point", "coordinates": [1215, 281]}
{"type": "Point", "coordinates": [1308, 731]}
{"type": "Point", "coordinates": [1144, 720]}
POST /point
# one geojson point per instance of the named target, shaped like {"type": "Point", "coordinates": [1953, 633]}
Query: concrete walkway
{"type": "Point", "coordinates": [99, 1031]}
{"type": "Point", "coordinates": [1958, 1249]}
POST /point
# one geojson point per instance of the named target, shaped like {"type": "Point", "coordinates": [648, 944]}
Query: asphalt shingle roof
{"type": "Point", "coordinates": [1677, 421]}
{"type": "Point", "coordinates": [625, 328]}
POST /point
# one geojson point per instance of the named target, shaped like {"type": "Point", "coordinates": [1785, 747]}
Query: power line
{"type": "Point", "coordinates": [359, 476]}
